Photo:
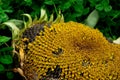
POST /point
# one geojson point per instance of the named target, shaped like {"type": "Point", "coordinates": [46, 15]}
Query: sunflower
{"type": "Point", "coordinates": [66, 51]}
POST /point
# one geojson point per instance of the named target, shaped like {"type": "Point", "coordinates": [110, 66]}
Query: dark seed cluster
{"type": "Point", "coordinates": [55, 74]}
{"type": "Point", "coordinates": [58, 51]}
{"type": "Point", "coordinates": [32, 32]}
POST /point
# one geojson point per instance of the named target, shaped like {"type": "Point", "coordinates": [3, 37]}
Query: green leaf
{"type": "Point", "coordinates": [105, 3]}
{"type": "Point", "coordinates": [99, 7]}
{"type": "Point", "coordinates": [6, 49]}
{"type": "Point", "coordinates": [50, 2]}
{"type": "Point", "coordinates": [77, 14]}
{"type": "Point", "coordinates": [78, 7]}
{"type": "Point", "coordinates": [86, 11]}
{"type": "Point", "coordinates": [8, 10]}
{"type": "Point", "coordinates": [4, 39]}
{"type": "Point", "coordinates": [66, 6]}
{"type": "Point", "coordinates": [10, 75]}
{"type": "Point", "coordinates": [92, 2]}
{"type": "Point", "coordinates": [28, 2]}
{"type": "Point", "coordinates": [108, 8]}
{"type": "Point", "coordinates": [114, 13]}
{"type": "Point", "coordinates": [1, 68]}
{"type": "Point", "coordinates": [3, 17]}
{"type": "Point", "coordinates": [1, 10]}
{"type": "Point", "coordinates": [6, 59]}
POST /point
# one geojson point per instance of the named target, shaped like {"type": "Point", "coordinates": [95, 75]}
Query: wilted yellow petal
{"type": "Point", "coordinates": [21, 56]}
{"type": "Point", "coordinates": [117, 41]}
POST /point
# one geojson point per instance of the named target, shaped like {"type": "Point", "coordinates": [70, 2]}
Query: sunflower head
{"type": "Point", "coordinates": [71, 50]}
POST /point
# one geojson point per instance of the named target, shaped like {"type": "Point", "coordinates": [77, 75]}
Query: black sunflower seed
{"type": "Point", "coordinates": [32, 32]}
{"type": "Point", "coordinates": [58, 51]}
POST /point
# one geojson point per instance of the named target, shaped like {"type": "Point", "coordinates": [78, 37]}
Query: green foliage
{"type": "Point", "coordinates": [1, 68]}
{"type": "Point", "coordinates": [4, 9]}
{"type": "Point", "coordinates": [10, 75]}
{"type": "Point", "coordinates": [75, 10]}
{"type": "Point", "coordinates": [3, 39]}
{"type": "Point", "coordinates": [6, 49]}
{"type": "Point", "coordinates": [6, 58]}
{"type": "Point", "coordinates": [104, 5]}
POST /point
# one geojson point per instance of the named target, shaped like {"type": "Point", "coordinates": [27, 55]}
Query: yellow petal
{"type": "Point", "coordinates": [117, 41]}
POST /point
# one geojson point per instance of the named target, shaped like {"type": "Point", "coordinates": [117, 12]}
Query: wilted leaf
{"type": "Point", "coordinates": [15, 30]}
{"type": "Point", "coordinates": [6, 59]}
{"type": "Point", "coordinates": [92, 19]}
{"type": "Point", "coordinates": [1, 68]}
{"type": "Point", "coordinates": [10, 75]}
{"type": "Point", "coordinates": [20, 71]}
{"type": "Point", "coordinates": [18, 23]}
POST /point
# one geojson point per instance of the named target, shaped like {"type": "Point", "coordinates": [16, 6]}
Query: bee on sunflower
{"type": "Point", "coordinates": [66, 51]}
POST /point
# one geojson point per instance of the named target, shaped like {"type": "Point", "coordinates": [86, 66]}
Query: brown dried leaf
{"type": "Point", "coordinates": [20, 71]}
